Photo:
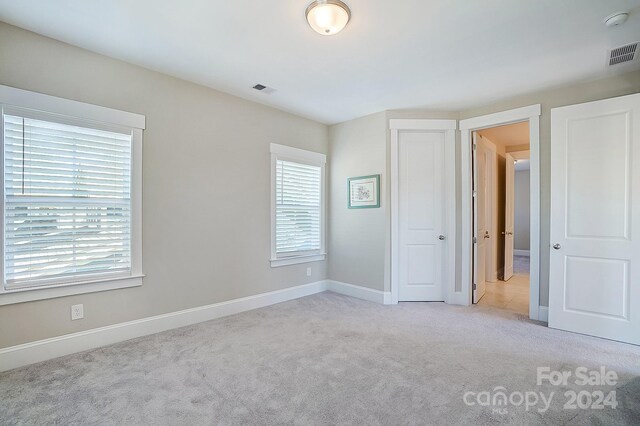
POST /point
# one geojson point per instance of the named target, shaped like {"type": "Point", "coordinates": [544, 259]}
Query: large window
{"type": "Point", "coordinates": [71, 213]}
{"type": "Point", "coordinates": [298, 206]}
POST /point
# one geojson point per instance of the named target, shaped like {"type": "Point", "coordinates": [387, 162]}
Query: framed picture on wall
{"type": "Point", "coordinates": [363, 192]}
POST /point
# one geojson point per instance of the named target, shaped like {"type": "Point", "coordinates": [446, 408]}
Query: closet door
{"type": "Point", "coordinates": [422, 240]}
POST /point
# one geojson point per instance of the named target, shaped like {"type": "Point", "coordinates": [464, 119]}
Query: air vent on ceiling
{"type": "Point", "coordinates": [264, 89]}
{"type": "Point", "coordinates": [623, 54]}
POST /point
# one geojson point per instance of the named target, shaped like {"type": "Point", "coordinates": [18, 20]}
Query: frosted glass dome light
{"type": "Point", "coordinates": [328, 17]}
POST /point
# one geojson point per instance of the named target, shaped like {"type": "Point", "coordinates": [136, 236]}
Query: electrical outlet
{"type": "Point", "coordinates": [77, 312]}
{"type": "Point", "coordinates": [308, 272]}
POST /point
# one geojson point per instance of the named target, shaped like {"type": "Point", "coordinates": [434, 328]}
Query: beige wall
{"type": "Point", "coordinates": [360, 240]}
{"type": "Point", "coordinates": [357, 237]}
{"type": "Point", "coordinates": [206, 186]}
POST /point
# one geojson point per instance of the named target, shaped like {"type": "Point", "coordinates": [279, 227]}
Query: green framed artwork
{"type": "Point", "coordinates": [363, 192]}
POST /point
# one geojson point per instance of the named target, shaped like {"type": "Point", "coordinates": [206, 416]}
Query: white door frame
{"type": "Point", "coordinates": [467, 127]}
{"type": "Point", "coordinates": [448, 127]}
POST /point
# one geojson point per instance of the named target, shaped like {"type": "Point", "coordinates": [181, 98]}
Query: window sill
{"type": "Point", "coordinates": [294, 260]}
{"type": "Point", "coordinates": [9, 297]}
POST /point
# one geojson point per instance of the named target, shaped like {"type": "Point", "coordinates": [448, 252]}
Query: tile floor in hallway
{"type": "Point", "coordinates": [512, 295]}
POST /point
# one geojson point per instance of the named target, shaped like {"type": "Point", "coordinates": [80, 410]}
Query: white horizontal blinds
{"type": "Point", "coordinates": [298, 207]}
{"type": "Point", "coordinates": [67, 196]}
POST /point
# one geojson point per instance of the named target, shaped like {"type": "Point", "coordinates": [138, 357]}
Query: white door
{"type": "Point", "coordinates": [491, 248]}
{"type": "Point", "coordinates": [595, 219]}
{"type": "Point", "coordinates": [481, 233]}
{"type": "Point", "coordinates": [422, 240]}
{"type": "Point", "coordinates": [509, 216]}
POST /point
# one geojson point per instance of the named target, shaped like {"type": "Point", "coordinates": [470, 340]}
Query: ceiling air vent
{"type": "Point", "coordinates": [623, 54]}
{"type": "Point", "coordinates": [264, 89]}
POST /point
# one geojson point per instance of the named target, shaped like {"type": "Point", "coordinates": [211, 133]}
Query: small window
{"type": "Point", "coordinates": [298, 206]}
{"type": "Point", "coordinates": [71, 212]}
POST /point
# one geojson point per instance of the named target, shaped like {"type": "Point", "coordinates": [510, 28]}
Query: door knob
{"type": "Point", "coordinates": [441, 237]}
{"type": "Point", "coordinates": [486, 234]}
{"type": "Point", "coordinates": [557, 246]}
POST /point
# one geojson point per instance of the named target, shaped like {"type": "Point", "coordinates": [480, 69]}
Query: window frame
{"type": "Point", "coordinates": [71, 112]}
{"type": "Point", "coordinates": [287, 153]}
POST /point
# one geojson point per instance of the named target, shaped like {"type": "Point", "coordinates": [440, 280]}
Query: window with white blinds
{"type": "Point", "coordinates": [298, 191]}
{"type": "Point", "coordinates": [67, 202]}
{"type": "Point", "coordinates": [298, 207]}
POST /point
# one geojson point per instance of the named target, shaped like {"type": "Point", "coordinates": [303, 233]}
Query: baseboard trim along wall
{"type": "Point", "coordinates": [359, 292]}
{"type": "Point", "coordinates": [42, 350]}
{"type": "Point", "coordinates": [517, 252]}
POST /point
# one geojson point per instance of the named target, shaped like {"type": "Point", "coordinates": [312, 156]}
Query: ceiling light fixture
{"type": "Point", "coordinates": [328, 17]}
{"type": "Point", "coordinates": [616, 19]}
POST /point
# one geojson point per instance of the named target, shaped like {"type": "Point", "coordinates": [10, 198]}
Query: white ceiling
{"type": "Point", "coordinates": [435, 54]}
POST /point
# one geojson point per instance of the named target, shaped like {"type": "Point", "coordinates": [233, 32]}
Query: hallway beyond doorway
{"type": "Point", "coordinates": [512, 295]}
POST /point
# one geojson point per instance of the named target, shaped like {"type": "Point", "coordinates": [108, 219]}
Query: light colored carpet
{"type": "Point", "coordinates": [323, 359]}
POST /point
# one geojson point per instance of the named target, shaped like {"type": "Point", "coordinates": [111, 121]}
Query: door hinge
{"type": "Point", "coordinates": [475, 286]}
{"type": "Point", "coordinates": [475, 145]}
{"type": "Point", "coordinates": [475, 240]}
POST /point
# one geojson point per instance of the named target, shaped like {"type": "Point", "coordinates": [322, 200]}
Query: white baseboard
{"type": "Point", "coordinates": [521, 252]}
{"type": "Point", "coordinates": [543, 314]}
{"type": "Point", "coordinates": [359, 292]}
{"type": "Point", "coordinates": [42, 350]}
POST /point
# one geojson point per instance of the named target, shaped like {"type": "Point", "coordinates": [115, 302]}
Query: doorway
{"type": "Point", "coordinates": [501, 217]}
{"type": "Point", "coordinates": [530, 114]}
{"type": "Point", "coordinates": [422, 210]}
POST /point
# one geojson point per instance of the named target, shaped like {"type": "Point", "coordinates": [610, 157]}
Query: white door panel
{"type": "Point", "coordinates": [597, 286]}
{"type": "Point", "coordinates": [509, 216]}
{"type": "Point", "coordinates": [598, 169]}
{"type": "Point", "coordinates": [595, 216]}
{"type": "Point", "coordinates": [421, 216]}
{"type": "Point", "coordinates": [491, 243]}
{"type": "Point", "coordinates": [480, 219]}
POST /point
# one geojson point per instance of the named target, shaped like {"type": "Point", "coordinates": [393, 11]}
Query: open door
{"type": "Point", "coordinates": [509, 213]}
{"type": "Point", "coordinates": [594, 275]}
{"type": "Point", "coordinates": [480, 232]}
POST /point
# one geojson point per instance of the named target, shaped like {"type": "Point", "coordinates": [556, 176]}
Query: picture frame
{"type": "Point", "coordinates": [363, 192]}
